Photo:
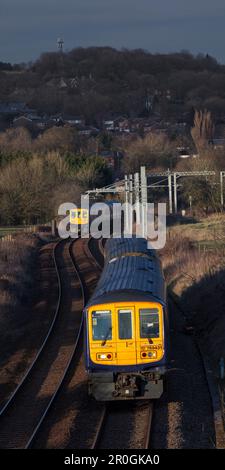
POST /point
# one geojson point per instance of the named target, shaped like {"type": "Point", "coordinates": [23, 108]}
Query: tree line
{"type": "Point", "coordinates": [32, 185]}
{"type": "Point", "coordinates": [101, 80]}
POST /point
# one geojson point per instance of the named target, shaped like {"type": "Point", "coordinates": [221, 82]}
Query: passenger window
{"type": "Point", "coordinates": [125, 324]}
{"type": "Point", "coordinates": [149, 323]}
{"type": "Point", "coordinates": [101, 325]}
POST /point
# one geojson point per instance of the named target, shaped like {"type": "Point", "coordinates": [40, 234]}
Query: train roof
{"type": "Point", "coordinates": [131, 272]}
{"type": "Point", "coordinates": [116, 247]}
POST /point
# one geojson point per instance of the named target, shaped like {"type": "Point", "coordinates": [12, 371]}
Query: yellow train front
{"type": "Point", "coordinates": [126, 325]}
{"type": "Point", "coordinates": [78, 217]}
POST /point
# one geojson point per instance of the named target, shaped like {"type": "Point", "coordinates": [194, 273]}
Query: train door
{"type": "Point", "coordinates": [126, 340]}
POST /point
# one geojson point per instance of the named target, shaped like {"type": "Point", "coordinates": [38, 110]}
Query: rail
{"type": "Point", "coordinates": [19, 389]}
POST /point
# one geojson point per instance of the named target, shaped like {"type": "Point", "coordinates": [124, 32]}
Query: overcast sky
{"type": "Point", "coordinates": [29, 27]}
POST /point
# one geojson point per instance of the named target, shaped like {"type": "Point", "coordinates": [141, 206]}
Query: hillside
{"type": "Point", "coordinates": [101, 82]}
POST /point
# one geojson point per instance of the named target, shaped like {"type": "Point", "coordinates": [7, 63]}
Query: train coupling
{"type": "Point", "coordinates": [126, 385]}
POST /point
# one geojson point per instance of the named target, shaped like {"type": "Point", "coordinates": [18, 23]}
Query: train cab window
{"type": "Point", "coordinates": [101, 325]}
{"type": "Point", "coordinates": [149, 323]}
{"type": "Point", "coordinates": [125, 324]}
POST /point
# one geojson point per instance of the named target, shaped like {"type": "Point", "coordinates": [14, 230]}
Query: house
{"type": "Point", "coordinates": [73, 120]}
{"type": "Point", "coordinates": [138, 124]}
{"type": "Point", "coordinates": [109, 125]}
{"type": "Point", "coordinates": [23, 121]}
{"type": "Point", "coordinates": [13, 107]}
{"type": "Point", "coordinates": [33, 122]}
{"type": "Point", "coordinates": [121, 124]}
{"type": "Point", "coordinates": [88, 131]}
{"type": "Point", "coordinates": [10, 110]}
{"type": "Point", "coordinates": [218, 143]}
{"type": "Point", "coordinates": [57, 120]}
{"type": "Point", "coordinates": [111, 122]}
{"type": "Point", "coordinates": [112, 159]}
{"type": "Point", "coordinates": [74, 82]}
{"type": "Point", "coordinates": [168, 95]}
{"type": "Point", "coordinates": [62, 119]}
{"type": "Point", "coordinates": [62, 84]}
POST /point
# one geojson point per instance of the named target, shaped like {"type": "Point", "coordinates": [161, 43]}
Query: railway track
{"type": "Point", "coordinates": [105, 432]}
{"type": "Point", "coordinates": [149, 427]}
{"type": "Point", "coordinates": [57, 426]}
{"type": "Point", "coordinates": [136, 423]}
{"type": "Point", "coordinates": [99, 428]}
{"type": "Point", "coordinates": [96, 250]}
{"type": "Point", "coordinates": [23, 414]}
{"type": "Point", "coordinates": [42, 398]}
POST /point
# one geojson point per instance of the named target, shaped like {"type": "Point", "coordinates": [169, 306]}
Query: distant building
{"type": "Point", "coordinates": [11, 110]}
{"type": "Point", "coordinates": [109, 125]}
{"type": "Point", "coordinates": [23, 121]}
{"type": "Point", "coordinates": [62, 84]}
{"type": "Point", "coordinates": [88, 131]}
{"type": "Point", "coordinates": [72, 120]}
{"type": "Point", "coordinates": [112, 159]}
{"type": "Point", "coordinates": [13, 107]}
{"type": "Point", "coordinates": [218, 143]}
{"type": "Point", "coordinates": [33, 122]}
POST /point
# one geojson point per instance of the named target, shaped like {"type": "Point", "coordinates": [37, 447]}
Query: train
{"type": "Point", "coordinates": [126, 325]}
{"type": "Point", "coordinates": [79, 216]}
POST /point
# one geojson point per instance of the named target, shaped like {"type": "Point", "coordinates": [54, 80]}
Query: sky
{"type": "Point", "coordinates": [30, 27]}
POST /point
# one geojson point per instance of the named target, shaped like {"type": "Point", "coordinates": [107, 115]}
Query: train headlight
{"type": "Point", "coordinates": [104, 357]}
{"type": "Point", "coordinates": [152, 354]}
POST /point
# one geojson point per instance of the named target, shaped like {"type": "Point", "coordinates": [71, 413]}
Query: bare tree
{"type": "Point", "coordinates": [155, 150]}
{"type": "Point", "coordinates": [203, 130]}
{"type": "Point", "coordinates": [58, 139]}
{"type": "Point", "coordinates": [27, 187]}
{"type": "Point", "coordinates": [15, 139]}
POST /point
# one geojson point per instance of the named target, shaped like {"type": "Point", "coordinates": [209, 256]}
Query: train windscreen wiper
{"type": "Point", "coordinates": [106, 336]}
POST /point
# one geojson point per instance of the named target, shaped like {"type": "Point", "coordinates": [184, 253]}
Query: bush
{"type": "Point", "coordinates": [153, 151]}
{"type": "Point", "coordinates": [30, 189]}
